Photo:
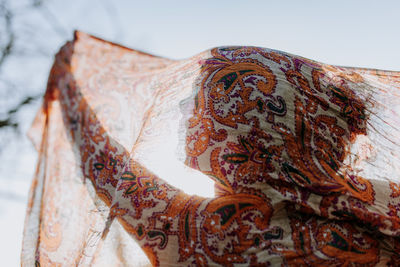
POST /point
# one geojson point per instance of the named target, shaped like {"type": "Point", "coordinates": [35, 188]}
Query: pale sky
{"type": "Point", "coordinates": [358, 33]}
{"type": "Point", "coordinates": [350, 33]}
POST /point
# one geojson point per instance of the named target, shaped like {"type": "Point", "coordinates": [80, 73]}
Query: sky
{"type": "Point", "coordinates": [348, 33]}
{"type": "Point", "coordinates": [357, 33]}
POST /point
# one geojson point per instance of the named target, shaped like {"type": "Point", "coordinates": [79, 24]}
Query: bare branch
{"type": "Point", "coordinates": [9, 34]}
{"type": "Point", "coordinates": [10, 121]}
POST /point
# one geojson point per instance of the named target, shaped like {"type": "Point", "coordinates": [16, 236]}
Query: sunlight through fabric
{"type": "Point", "coordinates": [237, 156]}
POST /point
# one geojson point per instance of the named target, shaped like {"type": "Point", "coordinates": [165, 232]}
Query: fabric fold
{"type": "Point", "coordinates": [238, 156]}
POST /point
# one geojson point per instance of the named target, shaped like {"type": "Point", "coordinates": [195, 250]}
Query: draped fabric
{"type": "Point", "coordinates": [304, 157]}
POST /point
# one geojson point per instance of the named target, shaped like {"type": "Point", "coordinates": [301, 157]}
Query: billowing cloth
{"type": "Point", "coordinates": [304, 157]}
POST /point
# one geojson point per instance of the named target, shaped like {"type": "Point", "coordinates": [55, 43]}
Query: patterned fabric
{"type": "Point", "coordinates": [304, 156]}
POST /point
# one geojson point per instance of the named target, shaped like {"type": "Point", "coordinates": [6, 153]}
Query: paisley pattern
{"type": "Point", "coordinates": [304, 157]}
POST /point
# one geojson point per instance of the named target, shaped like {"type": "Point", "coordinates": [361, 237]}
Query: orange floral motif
{"type": "Point", "coordinates": [219, 217]}
{"type": "Point", "coordinates": [232, 85]}
{"type": "Point", "coordinates": [395, 189]}
{"type": "Point", "coordinates": [340, 242]}
{"type": "Point", "coordinates": [275, 132]}
{"type": "Point", "coordinates": [254, 160]}
{"type": "Point", "coordinates": [304, 172]}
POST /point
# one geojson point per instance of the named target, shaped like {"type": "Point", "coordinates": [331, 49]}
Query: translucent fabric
{"type": "Point", "coordinates": [304, 157]}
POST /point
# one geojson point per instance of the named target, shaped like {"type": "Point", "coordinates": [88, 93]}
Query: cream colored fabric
{"type": "Point", "coordinates": [304, 157]}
